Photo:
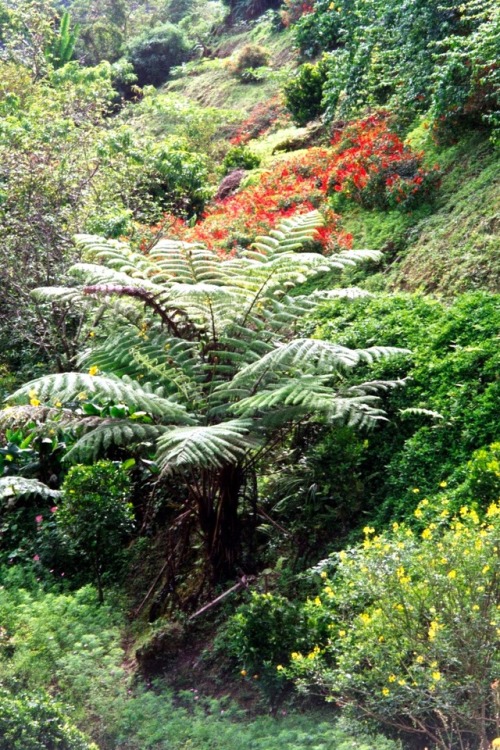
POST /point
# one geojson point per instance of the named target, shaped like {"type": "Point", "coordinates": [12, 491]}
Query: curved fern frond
{"type": "Point", "coordinates": [113, 432]}
{"type": "Point", "coordinates": [212, 446]}
{"type": "Point", "coordinates": [13, 487]}
{"type": "Point", "coordinates": [75, 386]}
{"type": "Point", "coordinates": [307, 355]}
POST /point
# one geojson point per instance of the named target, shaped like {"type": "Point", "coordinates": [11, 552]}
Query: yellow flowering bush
{"type": "Point", "coordinates": [414, 629]}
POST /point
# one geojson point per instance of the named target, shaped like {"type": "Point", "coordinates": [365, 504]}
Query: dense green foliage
{"type": "Point", "coordinates": [154, 53]}
{"type": "Point", "coordinates": [95, 514]}
{"type": "Point", "coordinates": [274, 522]}
{"type": "Point", "coordinates": [36, 722]}
{"type": "Point", "coordinates": [407, 56]}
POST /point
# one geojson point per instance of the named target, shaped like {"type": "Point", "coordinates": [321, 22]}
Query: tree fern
{"type": "Point", "coordinates": [207, 353]}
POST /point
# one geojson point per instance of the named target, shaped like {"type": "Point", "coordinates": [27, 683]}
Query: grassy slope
{"type": "Point", "coordinates": [211, 84]}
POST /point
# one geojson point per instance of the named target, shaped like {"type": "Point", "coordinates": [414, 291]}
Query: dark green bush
{"type": "Point", "coordinates": [36, 722]}
{"type": "Point", "coordinates": [304, 93]}
{"type": "Point", "coordinates": [95, 514]}
{"type": "Point", "coordinates": [239, 157]}
{"type": "Point", "coordinates": [175, 179]}
{"type": "Point", "coordinates": [155, 52]}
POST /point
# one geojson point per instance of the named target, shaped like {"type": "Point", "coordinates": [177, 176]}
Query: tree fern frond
{"type": "Point", "coordinates": [113, 432]}
{"type": "Point", "coordinates": [71, 386]}
{"type": "Point", "coordinates": [71, 295]}
{"type": "Point", "coordinates": [212, 446]}
{"type": "Point", "coordinates": [13, 487]}
{"type": "Point", "coordinates": [308, 355]}
{"type": "Point", "coordinates": [289, 235]}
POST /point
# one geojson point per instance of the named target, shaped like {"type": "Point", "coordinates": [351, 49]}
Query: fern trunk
{"type": "Point", "coordinates": [220, 523]}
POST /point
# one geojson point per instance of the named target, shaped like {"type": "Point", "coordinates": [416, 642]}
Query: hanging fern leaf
{"type": "Point", "coordinates": [12, 488]}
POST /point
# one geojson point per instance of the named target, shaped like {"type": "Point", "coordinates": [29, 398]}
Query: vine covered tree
{"type": "Point", "coordinates": [204, 362]}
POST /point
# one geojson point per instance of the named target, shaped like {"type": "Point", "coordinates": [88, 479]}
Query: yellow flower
{"type": "Point", "coordinates": [368, 530]}
{"type": "Point", "coordinates": [426, 534]}
{"type": "Point", "coordinates": [392, 678]}
{"type": "Point", "coordinates": [324, 574]}
{"type": "Point", "coordinates": [434, 628]}
{"type": "Point", "coordinates": [486, 568]}
{"type": "Point", "coordinates": [452, 574]}
{"type": "Point", "coordinates": [295, 655]}
{"type": "Point", "coordinates": [280, 667]}
{"type": "Point", "coordinates": [58, 404]}
{"type": "Point", "coordinates": [475, 607]}
{"type": "Point", "coordinates": [342, 633]}
{"type": "Point", "coordinates": [395, 526]}
{"type": "Point", "coordinates": [418, 513]}
{"type": "Point", "coordinates": [35, 402]}
{"type": "Point", "coordinates": [415, 490]}
{"type": "Point", "coordinates": [386, 691]}
{"type": "Point", "coordinates": [436, 676]}
{"type": "Point", "coordinates": [443, 484]}
{"type": "Point", "coordinates": [317, 601]}
{"type": "Point", "coordinates": [93, 370]}
{"type": "Point", "coordinates": [420, 659]}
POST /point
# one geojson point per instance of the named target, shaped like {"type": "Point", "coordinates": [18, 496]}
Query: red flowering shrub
{"type": "Point", "coordinates": [375, 169]}
{"type": "Point", "coordinates": [367, 164]}
{"type": "Point", "coordinates": [294, 186]}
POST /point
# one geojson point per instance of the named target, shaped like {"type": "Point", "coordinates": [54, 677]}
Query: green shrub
{"type": "Point", "coordinates": [251, 57]}
{"type": "Point", "coordinates": [95, 514]}
{"type": "Point", "coordinates": [414, 627]}
{"type": "Point", "coordinates": [175, 179]}
{"type": "Point", "coordinates": [304, 93]}
{"type": "Point", "coordinates": [261, 634]}
{"type": "Point", "coordinates": [239, 157]}
{"type": "Point", "coordinates": [36, 722]}
{"type": "Point", "coordinates": [454, 362]}
{"type": "Point", "coordinates": [156, 51]}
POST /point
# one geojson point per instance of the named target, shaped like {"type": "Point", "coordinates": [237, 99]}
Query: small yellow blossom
{"type": "Point", "coordinates": [35, 402]}
{"type": "Point", "coordinates": [392, 678]}
{"type": "Point", "coordinates": [386, 691]}
{"type": "Point", "coordinates": [486, 568]}
{"type": "Point", "coordinates": [475, 607]}
{"type": "Point", "coordinates": [415, 490]}
{"type": "Point", "coordinates": [93, 370]}
{"type": "Point", "coordinates": [280, 667]}
{"type": "Point", "coordinates": [420, 659]}
{"type": "Point", "coordinates": [426, 534]}
{"type": "Point", "coordinates": [443, 484]}
{"type": "Point", "coordinates": [324, 574]}
{"type": "Point", "coordinates": [342, 633]}
{"type": "Point", "coordinates": [452, 574]}
{"type": "Point", "coordinates": [418, 513]}
{"type": "Point", "coordinates": [436, 676]}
